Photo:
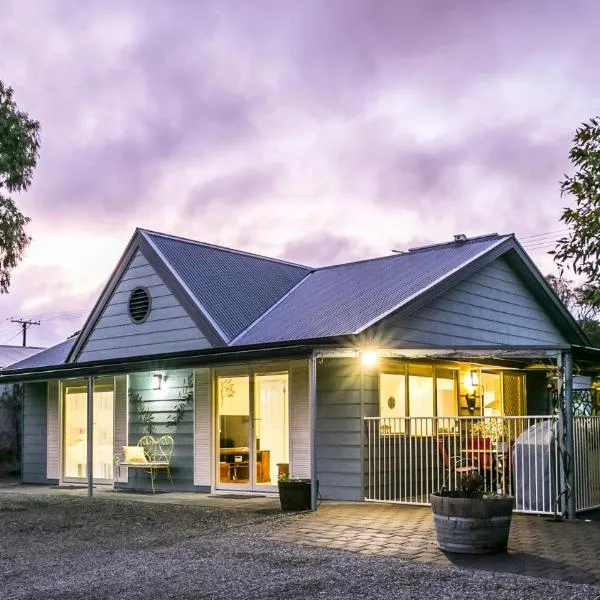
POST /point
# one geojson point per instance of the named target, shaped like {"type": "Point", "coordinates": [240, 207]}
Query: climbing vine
{"type": "Point", "coordinates": [145, 416]}
{"type": "Point", "coordinates": [186, 393]}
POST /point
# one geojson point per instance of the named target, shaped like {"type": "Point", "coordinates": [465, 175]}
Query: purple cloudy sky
{"type": "Point", "coordinates": [317, 131]}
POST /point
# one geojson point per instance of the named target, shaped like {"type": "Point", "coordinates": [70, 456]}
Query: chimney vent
{"type": "Point", "coordinates": [460, 237]}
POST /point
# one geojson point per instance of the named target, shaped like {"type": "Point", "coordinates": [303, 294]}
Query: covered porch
{"type": "Point", "coordinates": [513, 416]}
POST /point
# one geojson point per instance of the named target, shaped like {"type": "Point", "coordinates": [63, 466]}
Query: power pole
{"type": "Point", "coordinates": [24, 325]}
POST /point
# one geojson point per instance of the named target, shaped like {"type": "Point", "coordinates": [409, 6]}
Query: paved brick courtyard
{"type": "Point", "coordinates": [538, 547]}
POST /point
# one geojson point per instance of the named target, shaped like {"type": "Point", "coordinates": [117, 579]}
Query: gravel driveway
{"type": "Point", "coordinates": [68, 547]}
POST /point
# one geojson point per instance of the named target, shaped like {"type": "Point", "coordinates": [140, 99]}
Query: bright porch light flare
{"type": "Point", "coordinates": [369, 358]}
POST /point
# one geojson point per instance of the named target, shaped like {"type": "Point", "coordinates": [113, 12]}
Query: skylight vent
{"type": "Point", "coordinates": [139, 305]}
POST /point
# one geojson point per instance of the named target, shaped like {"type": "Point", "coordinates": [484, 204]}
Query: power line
{"type": "Point", "coordinates": [12, 338]}
{"type": "Point", "coordinates": [544, 234]}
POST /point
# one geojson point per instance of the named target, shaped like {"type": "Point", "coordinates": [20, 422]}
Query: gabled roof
{"type": "Point", "coordinates": [222, 289]}
{"type": "Point", "coordinates": [12, 354]}
{"type": "Point", "coordinates": [233, 287]}
{"type": "Point", "coordinates": [345, 299]}
{"type": "Point", "coordinates": [241, 299]}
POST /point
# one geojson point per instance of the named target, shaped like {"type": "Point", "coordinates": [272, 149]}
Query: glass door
{"type": "Point", "coordinates": [233, 414]}
{"type": "Point", "coordinates": [253, 430]}
{"type": "Point", "coordinates": [271, 428]}
{"type": "Point", "coordinates": [75, 466]}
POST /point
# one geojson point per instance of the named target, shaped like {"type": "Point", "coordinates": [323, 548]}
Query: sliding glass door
{"type": "Point", "coordinates": [74, 449]}
{"type": "Point", "coordinates": [253, 429]}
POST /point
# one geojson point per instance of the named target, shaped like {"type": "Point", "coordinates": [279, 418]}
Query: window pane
{"type": "Point", "coordinates": [446, 401]}
{"type": "Point", "coordinates": [420, 395]}
{"type": "Point", "coordinates": [233, 397]}
{"type": "Point", "coordinates": [492, 394]}
{"type": "Point", "coordinates": [271, 426]}
{"type": "Point", "coordinates": [392, 402]}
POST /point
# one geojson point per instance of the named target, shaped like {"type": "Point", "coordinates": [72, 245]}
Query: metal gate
{"type": "Point", "coordinates": [586, 463]}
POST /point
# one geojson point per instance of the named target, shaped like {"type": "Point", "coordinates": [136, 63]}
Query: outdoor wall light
{"type": "Point", "coordinates": [157, 380]}
{"type": "Point", "coordinates": [369, 358]}
{"type": "Point", "coordinates": [471, 383]}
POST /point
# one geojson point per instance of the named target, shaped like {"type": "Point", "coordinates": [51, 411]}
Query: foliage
{"type": "Point", "coordinates": [581, 247]}
{"type": "Point", "coordinates": [582, 302]}
{"type": "Point", "coordinates": [591, 328]}
{"type": "Point", "coordinates": [497, 429]}
{"type": "Point", "coordinates": [145, 415]}
{"type": "Point", "coordinates": [468, 485]}
{"type": "Point", "coordinates": [19, 151]}
{"type": "Point", "coordinates": [185, 397]}
{"type": "Point", "coordinates": [11, 400]}
{"type": "Point", "coordinates": [563, 288]}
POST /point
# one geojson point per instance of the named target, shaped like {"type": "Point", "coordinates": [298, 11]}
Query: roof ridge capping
{"type": "Point", "coordinates": [398, 253]}
{"type": "Point", "coordinates": [222, 248]}
{"type": "Point", "coordinates": [459, 240]}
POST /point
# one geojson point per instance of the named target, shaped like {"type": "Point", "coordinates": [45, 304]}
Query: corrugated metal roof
{"type": "Point", "coordinates": [12, 354]}
{"type": "Point", "coordinates": [343, 299]}
{"type": "Point", "coordinates": [56, 355]}
{"type": "Point", "coordinates": [234, 288]}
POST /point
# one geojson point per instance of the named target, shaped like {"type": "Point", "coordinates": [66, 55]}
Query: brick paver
{"type": "Point", "coordinates": [538, 547]}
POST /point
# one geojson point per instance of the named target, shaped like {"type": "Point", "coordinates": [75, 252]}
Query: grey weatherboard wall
{"type": "Point", "coordinates": [161, 404]}
{"type": "Point", "coordinates": [168, 328]}
{"type": "Point", "coordinates": [345, 394]}
{"type": "Point", "coordinates": [492, 306]}
{"type": "Point", "coordinates": [33, 457]}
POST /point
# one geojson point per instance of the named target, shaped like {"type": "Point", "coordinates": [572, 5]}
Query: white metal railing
{"type": "Point", "coordinates": [586, 463]}
{"type": "Point", "coordinates": [408, 458]}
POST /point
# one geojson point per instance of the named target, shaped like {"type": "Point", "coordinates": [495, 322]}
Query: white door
{"type": "Point", "coordinates": [253, 430]}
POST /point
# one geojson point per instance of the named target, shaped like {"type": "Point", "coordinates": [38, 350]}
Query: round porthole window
{"type": "Point", "coordinates": [139, 305]}
{"type": "Point", "coordinates": [392, 402]}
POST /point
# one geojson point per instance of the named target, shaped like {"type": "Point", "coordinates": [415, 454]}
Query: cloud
{"type": "Point", "coordinates": [322, 249]}
{"type": "Point", "coordinates": [315, 131]}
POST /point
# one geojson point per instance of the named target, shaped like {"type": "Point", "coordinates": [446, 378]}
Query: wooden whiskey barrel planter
{"type": "Point", "coordinates": [472, 525]}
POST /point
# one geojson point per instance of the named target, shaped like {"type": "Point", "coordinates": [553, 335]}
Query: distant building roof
{"type": "Point", "coordinates": [56, 355]}
{"type": "Point", "coordinates": [13, 354]}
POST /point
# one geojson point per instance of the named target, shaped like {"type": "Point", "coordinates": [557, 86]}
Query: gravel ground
{"type": "Point", "coordinates": [67, 547]}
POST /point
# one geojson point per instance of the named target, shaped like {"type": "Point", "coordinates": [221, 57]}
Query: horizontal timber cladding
{"type": "Point", "coordinates": [155, 412]}
{"type": "Point", "coordinates": [492, 306]}
{"type": "Point", "coordinates": [344, 395]}
{"type": "Point", "coordinates": [35, 424]}
{"type": "Point", "coordinates": [168, 327]}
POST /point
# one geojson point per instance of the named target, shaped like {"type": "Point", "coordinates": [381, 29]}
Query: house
{"type": "Point", "coordinates": [364, 376]}
{"type": "Point", "coordinates": [10, 408]}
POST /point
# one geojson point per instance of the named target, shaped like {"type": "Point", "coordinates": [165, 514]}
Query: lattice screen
{"type": "Point", "coordinates": [514, 404]}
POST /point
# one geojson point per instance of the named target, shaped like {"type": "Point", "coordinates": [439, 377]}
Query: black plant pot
{"type": "Point", "coordinates": [294, 494]}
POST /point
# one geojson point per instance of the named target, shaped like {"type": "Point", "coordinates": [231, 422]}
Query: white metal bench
{"type": "Point", "coordinates": [151, 454]}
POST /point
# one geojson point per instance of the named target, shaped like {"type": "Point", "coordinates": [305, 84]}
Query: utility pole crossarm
{"type": "Point", "coordinates": [24, 323]}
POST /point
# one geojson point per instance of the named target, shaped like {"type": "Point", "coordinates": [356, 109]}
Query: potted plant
{"type": "Point", "coordinates": [294, 493]}
{"type": "Point", "coordinates": [469, 521]}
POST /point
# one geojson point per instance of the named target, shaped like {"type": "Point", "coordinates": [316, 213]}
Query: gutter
{"type": "Point", "coordinates": [209, 356]}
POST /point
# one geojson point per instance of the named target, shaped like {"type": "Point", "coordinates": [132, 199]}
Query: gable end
{"type": "Point", "coordinates": [491, 307]}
